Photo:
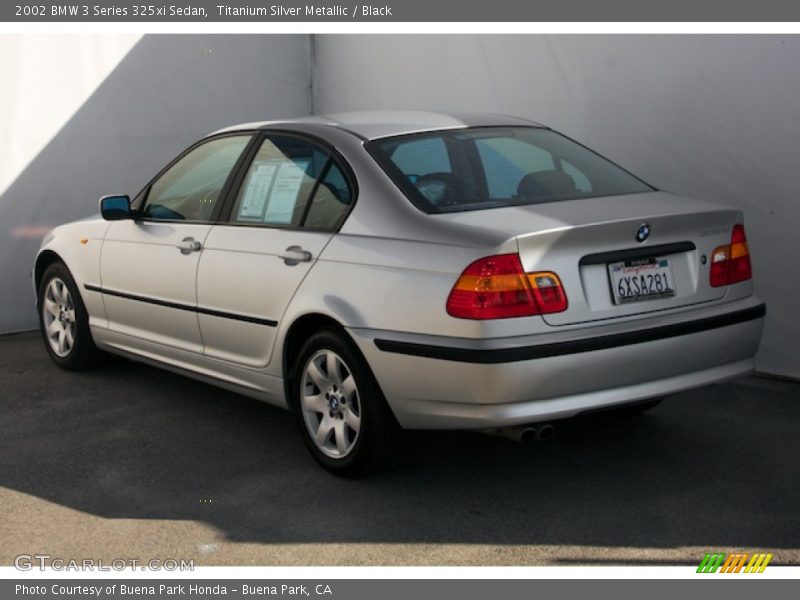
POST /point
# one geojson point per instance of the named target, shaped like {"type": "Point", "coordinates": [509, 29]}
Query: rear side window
{"type": "Point", "coordinates": [491, 167]}
{"type": "Point", "coordinates": [292, 182]}
{"type": "Point", "coordinates": [331, 200]}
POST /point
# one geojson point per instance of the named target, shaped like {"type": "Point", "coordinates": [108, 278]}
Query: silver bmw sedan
{"type": "Point", "coordinates": [380, 271]}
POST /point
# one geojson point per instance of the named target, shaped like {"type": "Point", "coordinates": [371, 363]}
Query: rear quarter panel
{"type": "Point", "coordinates": [391, 267]}
{"type": "Point", "coordinates": [388, 284]}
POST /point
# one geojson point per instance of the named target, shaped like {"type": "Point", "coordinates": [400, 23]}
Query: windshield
{"type": "Point", "coordinates": [490, 167]}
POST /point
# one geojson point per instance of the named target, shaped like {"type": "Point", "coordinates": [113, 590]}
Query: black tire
{"type": "Point", "coordinates": [379, 434]}
{"type": "Point", "coordinates": [82, 353]}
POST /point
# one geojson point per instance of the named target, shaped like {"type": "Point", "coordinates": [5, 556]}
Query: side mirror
{"type": "Point", "coordinates": [115, 208]}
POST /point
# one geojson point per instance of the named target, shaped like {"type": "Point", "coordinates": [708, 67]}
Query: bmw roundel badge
{"type": "Point", "coordinates": [643, 233]}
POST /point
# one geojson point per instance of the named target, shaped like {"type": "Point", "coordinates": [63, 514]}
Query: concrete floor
{"type": "Point", "coordinates": [132, 462]}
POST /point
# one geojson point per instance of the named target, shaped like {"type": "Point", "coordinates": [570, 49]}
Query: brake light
{"type": "Point", "coordinates": [731, 264]}
{"type": "Point", "coordinates": [497, 287]}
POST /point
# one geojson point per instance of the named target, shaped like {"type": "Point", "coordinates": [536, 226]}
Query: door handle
{"type": "Point", "coordinates": [188, 245]}
{"type": "Point", "coordinates": [294, 255]}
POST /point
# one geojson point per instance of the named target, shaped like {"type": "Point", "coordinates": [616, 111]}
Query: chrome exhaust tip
{"type": "Point", "coordinates": [546, 432]}
{"type": "Point", "coordinates": [528, 435]}
{"type": "Point", "coordinates": [525, 434]}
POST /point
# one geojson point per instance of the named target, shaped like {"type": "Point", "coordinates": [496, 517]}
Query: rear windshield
{"type": "Point", "coordinates": [490, 167]}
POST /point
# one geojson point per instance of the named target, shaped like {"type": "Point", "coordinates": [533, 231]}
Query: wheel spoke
{"type": "Point", "coordinates": [352, 420]}
{"type": "Point", "coordinates": [62, 338]}
{"type": "Point", "coordinates": [53, 327]}
{"type": "Point", "coordinates": [315, 403]}
{"type": "Point", "coordinates": [333, 367]}
{"type": "Point", "coordinates": [70, 337]}
{"type": "Point", "coordinates": [348, 386]}
{"type": "Point", "coordinates": [317, 376]}
{"type": "Point", "coordinates": [324, 431]}
{"type": "Point", "coordinates": [341, 437]}
{"type": "Point", "coordinates": [50, 307]}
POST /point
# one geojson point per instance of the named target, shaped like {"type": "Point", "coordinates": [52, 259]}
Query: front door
{"type": "Point", "coordinates": [148, 266]}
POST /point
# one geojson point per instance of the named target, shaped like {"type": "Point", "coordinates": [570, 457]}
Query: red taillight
{"type": "Point", "coordinates": [731, 263]}
{"type": "Point", "coordinates": [497, 287]}
{"type": "Point", "coordinates": [740, 268]}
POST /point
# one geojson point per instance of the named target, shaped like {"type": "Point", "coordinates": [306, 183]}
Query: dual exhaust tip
{"type": "Point", "coordinates": [526, 434]}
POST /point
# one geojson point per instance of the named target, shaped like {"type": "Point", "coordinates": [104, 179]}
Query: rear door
{"type": "Point", "coordinates": [149, 265]}
{"type": "Point", "coordinates": [291, 200]}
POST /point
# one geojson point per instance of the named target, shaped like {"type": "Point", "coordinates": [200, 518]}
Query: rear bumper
{"type": "Point", "coordinates": [455, 383]}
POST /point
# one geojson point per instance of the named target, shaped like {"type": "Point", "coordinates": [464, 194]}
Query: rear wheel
{"type": "Point", "coordinates": [63, 320]}
{"type": "Point", "coordinates": [342, 414]}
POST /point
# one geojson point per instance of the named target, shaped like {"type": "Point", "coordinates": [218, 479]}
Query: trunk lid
{"type": "Point", "coordinates": [579, 239]}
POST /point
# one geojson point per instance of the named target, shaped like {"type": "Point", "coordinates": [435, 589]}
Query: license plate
{"type": "Point", "coordinates": [641, 279]}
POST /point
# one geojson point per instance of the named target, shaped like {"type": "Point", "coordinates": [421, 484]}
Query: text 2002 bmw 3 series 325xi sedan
{"type": "Point", "coordinates": [385, 270]}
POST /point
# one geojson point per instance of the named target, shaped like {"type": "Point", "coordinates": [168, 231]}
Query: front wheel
{"type": "Point", "coordinates": [342, 414]}
{"type": "Point", "coordinates": [63, 320]}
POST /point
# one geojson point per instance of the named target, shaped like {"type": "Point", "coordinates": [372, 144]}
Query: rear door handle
{"type": "Point", "coordinates": [294, 255]}
{"type": "Point", "coordinates": [188, 245]}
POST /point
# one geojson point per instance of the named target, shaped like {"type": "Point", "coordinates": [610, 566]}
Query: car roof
{"type": "Point", "coordinates": [374, 124]}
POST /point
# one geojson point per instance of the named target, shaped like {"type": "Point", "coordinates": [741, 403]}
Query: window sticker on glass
{"type": "Point", "coordinates": [255, 196]}
{"type": "Point", "coordinates": [283, 197]}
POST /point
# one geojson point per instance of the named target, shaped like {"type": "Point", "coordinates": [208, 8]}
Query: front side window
{"type": "Point", "coordinates": [190, 189]}
{"type": "Point", "coordinates": [292, 183]}
{"type": "Point", "coordinates": [491, 167]}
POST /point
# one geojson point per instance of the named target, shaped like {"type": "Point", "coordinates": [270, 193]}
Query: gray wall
{"type": "Point", "coordinates": [124, 121]}
{"type": "Point", "coordinates": [714, 117]}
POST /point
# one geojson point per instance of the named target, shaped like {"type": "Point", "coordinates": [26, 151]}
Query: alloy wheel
{"type": "Point", "coordinates": [58, 314]}
{"type": "Point", "coordinates": [330, 403]}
